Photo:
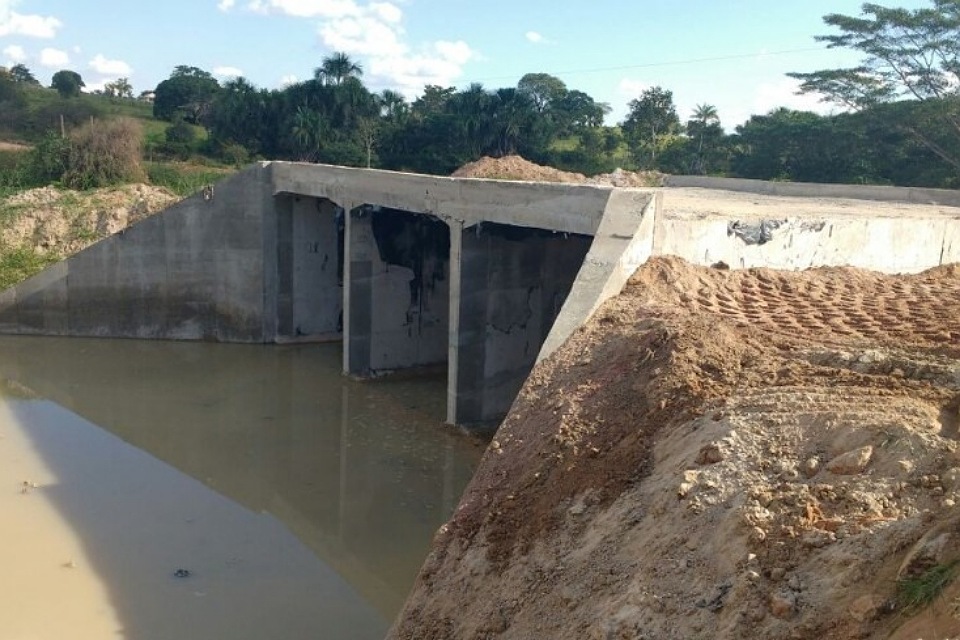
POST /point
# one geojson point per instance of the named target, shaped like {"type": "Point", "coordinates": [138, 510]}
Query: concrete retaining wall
{"type": "Point", "coordinates": [196, 272]}
{"type": "Point", "coordinates": [886, 244]}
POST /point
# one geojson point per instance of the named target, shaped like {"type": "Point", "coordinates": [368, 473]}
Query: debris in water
{"type": "Point", "coordinates": [181, 573]}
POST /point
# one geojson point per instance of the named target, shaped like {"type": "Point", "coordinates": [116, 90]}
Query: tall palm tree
{"type": "Point", "coordinates": [337, 68]}
{"type": "Point", "coordinates": [704, 116]}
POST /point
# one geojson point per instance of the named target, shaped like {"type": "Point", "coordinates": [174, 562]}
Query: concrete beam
{"type": "Point", "coordinates": [556, 207]}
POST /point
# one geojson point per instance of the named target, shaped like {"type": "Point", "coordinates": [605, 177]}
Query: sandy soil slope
{"type": "Point", "coordinates": [61, 222]}
{"type": "Point", "coordinates": [722, 454]}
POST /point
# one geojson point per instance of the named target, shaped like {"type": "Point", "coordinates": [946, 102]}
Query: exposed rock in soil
{"type": "Point", "coordinates": [721, 454]}
{"type": "Point", "coordinates": [59, 222]}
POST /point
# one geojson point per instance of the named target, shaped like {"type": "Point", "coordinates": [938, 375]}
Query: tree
{"type": "Point", "coordinates": [20, 73]}
{"type": "Point", "coordinates": [652, 116]}
{"type": "Point", "coordinates": [704, 129]}
{"type": "Point", "coordinates": [189, 91]}
{"type": "Point", "coordinates": [67, 83]}
{"type": "Point", "coordinates": [543, 90]}
{"type": "Point", "coordinates": [119, 88]}
{"type": "Point", "coordinates": [912, 54]}
{"type": "Point", "coordinates": [337, 68]}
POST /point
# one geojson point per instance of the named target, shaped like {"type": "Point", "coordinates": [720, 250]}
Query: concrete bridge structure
{"type": "Point", "coordinates": [409, 271]}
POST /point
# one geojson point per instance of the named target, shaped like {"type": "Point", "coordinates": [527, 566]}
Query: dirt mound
{"type": "Point", "coordinates": [721, 454]}
{"type": "Point", "coordinates": [517, 168]}
{"type": "Point", "coordinates": [59, 223]}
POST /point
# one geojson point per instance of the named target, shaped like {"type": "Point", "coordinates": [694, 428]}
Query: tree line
{"type": "Point", "coordinates": [900, 124]}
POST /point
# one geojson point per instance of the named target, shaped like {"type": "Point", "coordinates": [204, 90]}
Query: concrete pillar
{"type": "Point", "coordinates": [508, 285]}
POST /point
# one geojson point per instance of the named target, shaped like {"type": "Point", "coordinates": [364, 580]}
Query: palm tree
{"type": "Point", "coordinates": [393, 106]}
{"type": "Point", "coordinates": [704, 116]}
{"type": "Point", "coordinates": [337, 68]}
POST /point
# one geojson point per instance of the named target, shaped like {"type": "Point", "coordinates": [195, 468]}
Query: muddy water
{"type": "Point", "coordinates": [291, 503]}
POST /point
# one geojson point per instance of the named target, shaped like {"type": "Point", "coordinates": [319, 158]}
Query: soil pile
{"type": "Point", "coordinates": [721, 454]}
{"type": "Point", "coordinates": [517, 168]}
{"type": "Point", "coordinates": [59, 223]}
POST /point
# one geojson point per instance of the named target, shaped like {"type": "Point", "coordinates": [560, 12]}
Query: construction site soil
{"type": "Point", "coordinates": [721, 454]}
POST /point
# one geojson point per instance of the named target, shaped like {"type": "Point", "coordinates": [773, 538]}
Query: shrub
{"type": "Point", "coordinates": [104, 153]}
{"type": "Point", "coordinates": [47, 161]}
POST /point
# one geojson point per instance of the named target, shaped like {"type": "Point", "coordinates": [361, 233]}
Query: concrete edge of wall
{"type": "Point", "coordinates": [913, 195]}
{"type": "Point", "coordinates": [623, 242]}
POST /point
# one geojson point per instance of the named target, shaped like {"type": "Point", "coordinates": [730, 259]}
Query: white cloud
{"type": "Point", "coordinates": [373, 34]}
{"type": "Point", "coordinates": [14, 54]}
{"type": "Point", "coordinates": [288, 80]}
{"type": "Point", "coordinates": [387, 12]}
{"type": "Point", "coordinates": [410, 73]}
{"type": "Point", "coordinates": [364, 35]}
{"type": "Point", "coordinates": [771, 95]}
{"type": "Point", "coordinates": [535, 37]}
{"type": "Point", "coordinates": [54, 58]}
{"type": "Point", "coordinates": [34, 26]}
{"type": "Point", "coordinates": [226, 5]}
{"type": "Point", "coordinates": [118, 68]}
{"type": "Point", "coordinates": [307, 8]}
{"type": "Point", "coordinates": [227, 72]}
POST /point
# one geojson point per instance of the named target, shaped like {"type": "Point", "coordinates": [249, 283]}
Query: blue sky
{"type": "Point", "coordinates": [732, 54]}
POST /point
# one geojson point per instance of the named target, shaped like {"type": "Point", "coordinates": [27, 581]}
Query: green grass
{"type": "Point", "coordinates": [184, 179]}
{"type": "Point", "coordinates": [19, 264]}
{"type": "Point", "coordinates": [918, 592]}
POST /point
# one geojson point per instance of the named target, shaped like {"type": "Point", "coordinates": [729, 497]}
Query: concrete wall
{"type": "Point", "coordinates": [509, 286]}
{"type": "Point", "coordinates": [399, 290]}
{"type": "Point", "coordinates": [890, 245]}
{"type": "Point", "coordinates": [196, 272]}
{"type": "Point", "coordinates": [310, 276]}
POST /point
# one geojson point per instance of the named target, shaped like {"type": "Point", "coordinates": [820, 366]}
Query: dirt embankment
{"type": "Point", "coordinates": [721, 454]}
{"type": "Point", "coordinates": [58, 223]}
{"type": "Point", "coordinates": [517, 168]}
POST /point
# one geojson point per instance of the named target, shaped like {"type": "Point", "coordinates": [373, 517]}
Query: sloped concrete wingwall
{"type": "Point", "coordinates": [195, 272]}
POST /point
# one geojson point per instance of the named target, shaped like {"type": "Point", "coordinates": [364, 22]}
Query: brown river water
{"type": "Point", "coordinates": [180, 491]}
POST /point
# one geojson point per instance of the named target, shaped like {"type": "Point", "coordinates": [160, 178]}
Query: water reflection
{"type": "Point", "coordinates": [361, 473]}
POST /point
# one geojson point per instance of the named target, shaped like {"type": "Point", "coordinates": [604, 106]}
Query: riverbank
{"type": "Point", "coordinates": [721, 454]}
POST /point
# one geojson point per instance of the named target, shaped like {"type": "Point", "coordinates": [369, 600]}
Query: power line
{"type": "Point", "coordinates": [668, 63]}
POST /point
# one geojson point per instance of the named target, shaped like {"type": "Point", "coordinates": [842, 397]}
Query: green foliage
{"type": "Point", "coordinates": [47, 161]}
{"type": "Point", "coordinates": [119, 88]}
{"type": "Point", "coordinates": [337, 68]}
{"type": "Point", "coordinates": [67, 83]}
{"type": "Point", "coordinates": [183, 179]}
{"type": "Point", "coordinates": [106, 153]}
{"type": "Point", "coordinates": [912, 54]}
{"type": "Point", "coordinates": [917, 592]}
{"type": "Point", "coordinates": [652, 116]}
{"type": "Point", "coordinates": [20, 73]}
{"type": "Point", "coordinates": [19, 264]}
{"type": "Point", "coordinates": [188, 92]}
